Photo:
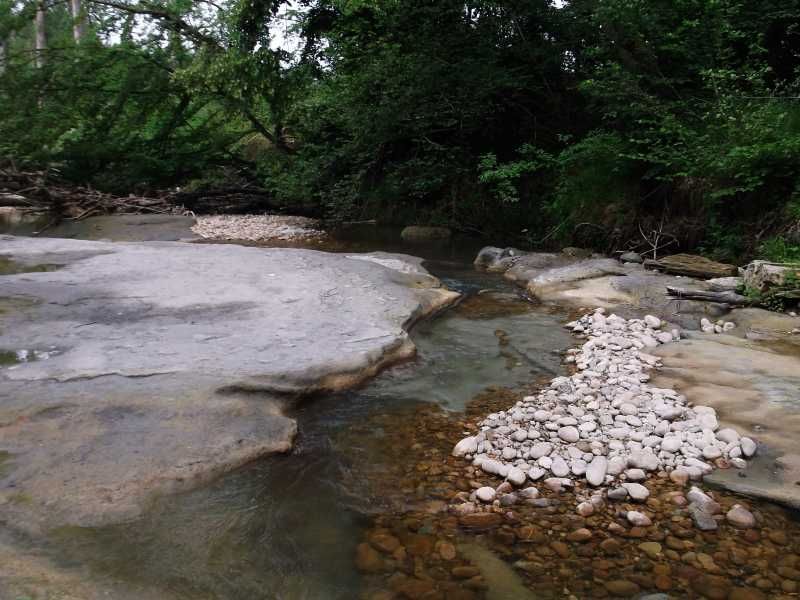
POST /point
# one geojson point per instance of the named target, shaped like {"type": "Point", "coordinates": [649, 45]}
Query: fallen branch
{"type": "Point", "coordinates": [37, 190]}
{"type": "Point", "coordinates": [721, 297]}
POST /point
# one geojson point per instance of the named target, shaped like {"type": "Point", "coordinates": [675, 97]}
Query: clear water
{"type": "Point", "coordinates": [286, 527]}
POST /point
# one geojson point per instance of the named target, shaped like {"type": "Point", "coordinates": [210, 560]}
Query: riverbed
{"type": "Point", "coordinates": [359, 507]}
{"type": "Point", "coordinates": [288, 526]}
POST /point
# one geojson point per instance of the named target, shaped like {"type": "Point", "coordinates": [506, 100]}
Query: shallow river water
{"type": "Point", "coordinates": [373, 465]}
{"type": "Point", "coordinates": [287, 527]}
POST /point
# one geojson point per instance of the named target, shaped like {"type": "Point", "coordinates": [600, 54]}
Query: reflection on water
{"type": "Point", "coordinates": [16, 221]}
{"type": "Point", "coordinates": [462, 355]}
{"type": "Point", "coordinates": [10, 267]}
{"type": "Point", "coordinates": [286, 527]}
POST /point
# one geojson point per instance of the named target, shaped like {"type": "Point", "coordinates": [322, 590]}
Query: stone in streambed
{"type": "Point", "coordinates": [559, 467]}
{"type": "Point", "coordinates": [652, 322]}
{"type": "Point", "coordinates": [651, 549]}
{"type": "Point", "coordinates": [480, 520]}
{"type": "Point", "coordinates": [536, 473]}
{"type": "Point", "coordinates": [446, 550]}
{"type": "Point", "coordinates": [615, 465]}
{"type": "Point", "coordinates": [631, 257]}
{"type": "Point", "coordinates": [679, 476]}
{"type": "Point", "coordinates": [508, 499]}
{"type": "Point", "coordinates": [728, 435]}
{"type": "Point", "coordinates": [622, 588]}
{"type": "Point", "coordinates": [558, 484]}
{"type": "Point", "coordinates": [569, 434]}
{"type": "Point", "coordinates": [637, 491]}
{"type": "Point", "coordinates": [494, 467]}
{"type": "Point", "coordinates": [739, 516]}
{"type": "Point", "coordinates": [486, 494]}
{"type": "Point", "coordinates": [367, 559]}
{"type": "Point", "coordinates": [671, 444]}
{"type": "Point", "coordinates": [579, 535]}
{"type": "Point", "coordinates": [644, 460]}
{"type": "Point", "coordinates": [619, 493]}
{"type": "Point", "coordinates": [638, 519]}
{"type": "Point", "coordinates": [516, 476]}
{"type": "Point", "coordinates": [635, 475]}
{"type": "Point", "coordinates": [699, 498]}
{"type": "Point", "coordinates": [469, 445]}
{"type": "Point", "coordinates": [596, 471]}
{"type": "Point", "coordinates": [702, 519]}
{"type": "Point", "coordinates": [749, 447]}
{"type": "Point", "coordinates": [577, 467]}
{"type": "Point", "coordinates": [384, 542]}
{"type": "Point", "coordinates": [541, 449]}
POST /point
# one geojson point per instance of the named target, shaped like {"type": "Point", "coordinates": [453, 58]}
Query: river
{"type": "Point", "coordinates": [287, 527]}
{"type": "Point", "coordinates": [373, 465]}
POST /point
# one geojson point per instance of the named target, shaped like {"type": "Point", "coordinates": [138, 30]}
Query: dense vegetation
{"type": "Point", "coordinates": [607, 123]}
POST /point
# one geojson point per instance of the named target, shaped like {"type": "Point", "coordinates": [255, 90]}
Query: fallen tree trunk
{"type": "Point", "coordinates": [721, 297]}
{"type": "Point", "coordinates": [690, 265]}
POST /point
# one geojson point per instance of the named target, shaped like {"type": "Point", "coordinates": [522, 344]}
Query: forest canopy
{"type": "Point", "coordinates": [585, 121]}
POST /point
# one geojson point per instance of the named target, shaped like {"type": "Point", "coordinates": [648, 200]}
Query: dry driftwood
{"type": "Point", "coordinates": [691, 265]}
{"type": "Point", "coordinates": [36, 190]}
{"type": "Point", "coordinates": [722, 297]}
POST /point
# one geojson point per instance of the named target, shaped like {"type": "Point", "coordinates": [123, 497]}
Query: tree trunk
{"type": "Point", "coordinates": [721, 297]}
{"type": "Point", "coordinates": [3, 45]}
{"type": "Point", "coordinates": [78, 20]}
{"type": "Point", "coordinates": [41, 32]}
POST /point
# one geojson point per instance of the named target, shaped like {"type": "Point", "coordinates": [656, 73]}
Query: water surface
{"type": "Point", "coordinates": [287, 527]}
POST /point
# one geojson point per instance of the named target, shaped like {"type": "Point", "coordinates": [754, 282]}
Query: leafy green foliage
{"type": "Point", "coordinates": [503, 179]}
{"type": "Point", "coordinates": [598, 115]}
{"type": "Point", "coordinates": [777, 249]}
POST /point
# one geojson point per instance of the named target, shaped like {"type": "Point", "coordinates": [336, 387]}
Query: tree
{"type": "Point", "coordinates": [40, 28]}
{"type": "Point", "coordinates": [78, 20]}
{"type": "Point", "coordinates": [515, 115]}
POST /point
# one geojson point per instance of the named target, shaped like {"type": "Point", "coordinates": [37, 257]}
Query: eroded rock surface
{"type": "Point", "coordinates": [762, 275]}
{"type": "Point", "coordinates": [627, 288]}
{"type": "Point", "coordinates": [755, 387]}
{"type": "Point", "coordinates": [163, 364]}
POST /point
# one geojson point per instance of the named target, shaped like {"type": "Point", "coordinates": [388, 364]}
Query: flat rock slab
{"type": "Point", "coordinates": [151, 367]}
{"type": "Point", "coordinates": [272, 319]}
{"type": "Point", "coordinates": [755, 387]}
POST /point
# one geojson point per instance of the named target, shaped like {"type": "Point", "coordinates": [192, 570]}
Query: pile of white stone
{"type": "Point", "coordinates": [604, 423]}
{"type": "Point", "coordinates": [719, 327]}
{"type": "Point", "coordinates": [256, 228]}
